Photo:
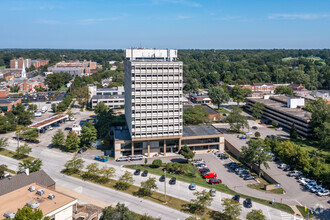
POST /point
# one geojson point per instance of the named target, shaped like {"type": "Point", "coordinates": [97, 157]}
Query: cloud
{"type": "Point", "coordinates": [48, 22]}
{"type": "Point", "coordinates": [97, 20]}
{"type": "Point", "coordinates": [228, 18]}
{"type": "Point", "coordinates": [298, 16]}
{"type": "Point", "coordinates": [182, 2]}
{"type": "Point", "coordinates": [182, 17]}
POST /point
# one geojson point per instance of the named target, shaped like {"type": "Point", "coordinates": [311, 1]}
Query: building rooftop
{"type": "Point", "coordinates": [18, 198]}
{"type": "Point", "coordinates": [121, 134]}
{"type": "Point", "coordinates": [108, 89]}
{"type": "Point", "coordinates": [108, 97]}
{"type": "Point", "coordinates": [209, 109]}
{"type": "Point", "coordinates": [48, 121]}
{"type": "Point", "coordinates": [8, 101]}
{"type": "Point", "coordinates": [20, 180]}
{"type": "Point", "coordinates": [279, 103]}
{"type": "Point", "coordinates": [200, 95]}
{"type": "Point", "coordinates": [199, 130]}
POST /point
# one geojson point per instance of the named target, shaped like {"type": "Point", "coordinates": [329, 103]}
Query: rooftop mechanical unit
{"type": "Point", "coordinates": [51, 196]}
{"type": "Point", "coordinates": [33, 205]}
{"type": "Point", "coordinates": [32, 188]}
{"type": "Point", "coordinates": [40, 192]}
{"type": "Point", "coordinates": [9, 215]}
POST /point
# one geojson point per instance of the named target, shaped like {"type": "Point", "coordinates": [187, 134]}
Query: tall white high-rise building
{"type": "Point", "coordinates": [153, 93]}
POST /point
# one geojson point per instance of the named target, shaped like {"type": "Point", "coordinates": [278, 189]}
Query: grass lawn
{"type": "Point", "coordinates": [223, 111]}
{"type": "Point", "coordinates": [305, 214]}
{"type": "Point", "coordinates": [172, 202]}
{"type": "Point", "coordinates": [12, 154]}
{"type": "Point", "coordinates": [63, 89]}
{"type": "Point", "coordinates": [2, 67]}
{"type": "Point", "coordinates": [200, 181]}
{"type": "Point", "coordinates": [261, 187]}
{"type": "Point", "coordinates": [11, 171]}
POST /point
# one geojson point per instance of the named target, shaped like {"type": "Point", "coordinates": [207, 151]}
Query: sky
{"type": "Point", "coordinates": [179, 24]}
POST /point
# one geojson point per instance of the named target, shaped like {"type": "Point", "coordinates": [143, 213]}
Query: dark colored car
{"type": "Point", "coordinates": [249, 177]}
{"type": "Point", "coordinates": [137, 172]}
{"type": "Point", "coordinates": [204, 169]}
{"type": "Point", "coordinates": [162, 178]}
{"type": "Point", "coordinates": [172, 181]}
{"type": "Point", "coordinates": [204, 172]}
{"type": "Point", "coordinates": [254, 127]}
{"type": "Point", "coordinates": [248, 203]}
{"type": "Point", "coordinates": [215, 181]}
{"type": "Point", "coordinates": [68, 129]}
{"type": "Point", "coordinates": [145, 173]}
{"type": "Point", "coordinates": [287, 168]}
{"type": "Point", "coordinates": [84, 149]}
{"type": "Point", "coordinates": [236, 198]}
{"type": "Point", "coordinates": [244, 173]}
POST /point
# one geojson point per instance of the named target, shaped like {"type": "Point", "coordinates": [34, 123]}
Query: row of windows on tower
{"type": "Point", "coordinates": [157, 67]}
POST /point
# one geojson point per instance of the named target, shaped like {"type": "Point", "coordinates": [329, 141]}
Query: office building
{"type": "Point", "coordinates": [154, 108]}
{"type": "Point", "coordinates": [18, 63]}
{"type": "Point", "coordinates": [111, 97]}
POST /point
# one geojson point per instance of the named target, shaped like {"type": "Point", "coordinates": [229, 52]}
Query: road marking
{"type": "Point", "coordinates": [298, 202]}
{"type": "Point", "coordinates": [270, 218]}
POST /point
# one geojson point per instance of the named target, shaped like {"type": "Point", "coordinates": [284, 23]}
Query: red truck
{"type": "Point", "coordinates": [210, 175]}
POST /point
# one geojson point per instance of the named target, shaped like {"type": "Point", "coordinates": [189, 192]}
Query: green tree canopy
{"type": "Point", "coordinates": [33, 165]}
{"type": "Point", "coordinates": [148, 186]}
{"type": "Point", "coordinates": [257, 110]}
{"type": "Point", "coordinates": [27, 213]}
{"type": "Point", "coordinates": [58, 139]}
{"type": "Point", "coordinates": [88, 134]}
{"type": "Point", "coordinates": [23, 151]}
{"type": "Point", "coordinates": [125, 181]}
{"type": "Point", "coordinates": [236, 120]}
{"type": "Point", "coordinates": [3, 143]}
{"type": "Point", "coordinates": [195, 115]}
{"type": "Point", "coordinates": [218, 95]}
{"type": "Point", "coordinates": [232, 209]}
{"type": "Point", "coordinates": [202, 201]}
{"type": "Point", "coordinates": [187, 153]}
{"type": "Point", "coordinates": [101, 108]}
{"type": "Point", "coordinates": [293, 132]}
{"type": "Point", "coordinates": [284, 90]}
{"type": "Point", "coordinates": [75, 165]}
{"type": "Point", "coordinates": [72, 142]}
{"type": "Point", "coordinates": [255, 215]}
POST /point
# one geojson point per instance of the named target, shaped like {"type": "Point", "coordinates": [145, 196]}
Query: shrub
{"type": "Point", "coordinates": [157, 163]}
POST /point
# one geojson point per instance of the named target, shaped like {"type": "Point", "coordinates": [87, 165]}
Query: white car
{"type": "Point", "coordinates": [198, 162]}
{"type": "Point", "coordinates": [310, 185]}
{"type": "Point", "coordinates": [50, 128]}
{"type": "Point", "coordinates": [120, 159]}
{"type": "Point", "coordinates": [282, 166]}
{"type": "Point", "coordinates": [323, 192]}
{"type": "Point", "coordinates": [316, 188]}
{"type": "Point", "coordinates": [304, 181]}
{"type": "Point", "coordinates": [279, 129]}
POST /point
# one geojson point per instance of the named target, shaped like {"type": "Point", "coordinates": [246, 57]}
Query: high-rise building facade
{"type": "Point", "coordinates": [18, 63]}
{"type": "Point", "coordinates": [153, 93]}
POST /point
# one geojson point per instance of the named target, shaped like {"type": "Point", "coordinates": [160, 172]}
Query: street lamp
{"type": "Point", "coordinates": [165, 202]}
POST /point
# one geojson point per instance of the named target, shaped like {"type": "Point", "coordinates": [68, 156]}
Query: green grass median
{"type": "Point", "coordinates": [12, 154]}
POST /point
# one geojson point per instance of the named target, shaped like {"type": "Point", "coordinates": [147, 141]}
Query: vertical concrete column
{"type": "Point", "coordinates": [165, 148]}
{"type": "Point", "coordinates": [132, 148]}
{"type": "Point", "coordinates": [148, 148]}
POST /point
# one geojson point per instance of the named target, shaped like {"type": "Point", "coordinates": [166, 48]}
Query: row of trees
{"type": "Point", "coordinates": [64, 104]}
{"type": "Point", "coordinates": [56, 80]}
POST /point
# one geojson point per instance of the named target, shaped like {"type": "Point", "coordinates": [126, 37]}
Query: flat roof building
{"type": "Point", "coordinates": [53, 204]}
{"type": "Point", "coordinates": [286, 111]}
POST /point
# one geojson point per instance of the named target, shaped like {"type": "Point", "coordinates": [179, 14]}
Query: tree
{"type": "Point", "coordinates": [54, 107]}
{"type": "Point", "coordinates": [88, 134]}
{"type": "Point", "coordinates": [125, 181]}
{"type": "Point", "coordinates": [202, 201]}
{"type": "Point", "coordinates": [27, 213]}
{"type": "Point", "coordinates": [23, 151]}
{"type": "Point", "coordinates": [57, 80]}
{"type": "Point", "coordinates": [75, 165]}
{"type": "Point", "coordinates": [101, 108]}
{"type": "Point", "coordinates": [157, 163]}
{"type": "Point", "coordinates": [93, 169]}
{"type": "Point", "coordinates": [218, 95]}
{"type": "Point", "coordinates": [69, 113]}
{"type": "Point", "coordinates": [236, 120]}
{"type": "Point", "coordinates": [255, 215]}
{"type": "Point", "coordinates": [120, 212]}
{"type": "Point", "coordinates": [293, 132]}
{"type": "Point", "coordinates": [257, 134]}
{"type": "Point", "coordinates": [82, 95]}
{"type": "Point", "coordinates": [30, 135]}
{"type": "Point", "coordinates": [187, 153]}
{"type": "Point", "coordinates": [145, 161]}
{"type": "Point", "coordinates": [274, 124]}
{"type": "Point", "coordinates": [238, 94]}
{"type": "Point", "coordinates": [257, 153]}
{"type": "Point", "coordinates": [58, 139]}
{"type": "Point", "coordinates": [284, 90]}
{"type": "Point", "coordinates": [3, 169]}
{"type": "Point", "coordinates": [107, 172]}
{"type": "Point", "coordinates": [72, 142]}
{"type": "Point", "coordinates": [232, 208]}
{"type": "Point", "coordinates": [257, 109]}
{"type": "Point", "coordinates": [3, 143]}
{"type": "Point", "coordinates": [195, 115]}
{"type": "Point", "coordinates": [33, 165]}
{"type": "Point", "coordinates": [323, 134]}
{"type": "Point", "coordinates": [32, 107]}
{"type": "Point", "coordinates": [147, 187]}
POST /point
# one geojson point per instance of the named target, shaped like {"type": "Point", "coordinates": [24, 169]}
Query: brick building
{"type": "Point", "coordinates": [8, 104]}
{"type": "Point", "coordinates": [38, 63]}
{"type": "Point", "coordinates": [18, 63]}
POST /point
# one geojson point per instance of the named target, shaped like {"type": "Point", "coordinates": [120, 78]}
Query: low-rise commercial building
{"type": "Point", "coordinates": [197, 137]}
{"type": "Point", "coordinates": [111, 97]}
{"type": "Point", "coordinates": [286, 111]}
{"type": "Point", "coordinates": [200, 98]}
{"type": "Point", "coordinates": [75, 67]}
{"type": "Point", "coordinates": [38, 63]}
{"type": "Point", "coordinates": [8, 104]}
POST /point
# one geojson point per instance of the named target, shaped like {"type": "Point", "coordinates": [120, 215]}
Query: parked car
{"type": "Point", "coordinates": [282, 165]}
{"type": "Point", "coordinates": [239, 171]}
{"type": "Point", "coordinates": [198, 162]}
{"type": "Point", "coordinates": [244, 173]}
{"type": "Point", "coordinates": [204, 169]}
{"type": "Point", "coordinates": [310, 185]}
{"type": "Point", "coordinates": [287, 168]}
{"type": "Point", "coordinates": [254, 127]}
{"type": "Point", "coordinates": [236, 198]}
{"type": "Point", "coordinates": [162, 178]}
{"type": "Point", "coordinates": [56, 125]}
{"type": "Point", "coordinates": [213, 192]}
{"type": "Point", "coordinates": [145, 173]}
{"type": "Point", "coordinates": [218, 152]}
{"type": "Point", "coordinates": [316, 188]}
{"type": "Point", "coordinates": [243, 137]}
{"type": "Point", "coordinates": [172, 181]}
{"type": "Point", "coordinates": [249, 177]}
{"type": "Point", "coordinates": [323, 192]}
{"type": "Point", "coordinates": [192, 186]}
{"type": "Point", "coordinates": [202, 165]}
{"type": "Point", "coordinates": [223, 156]}
{"type": "Point", "coordinates": [214, 181]}
{"type": "Point", "coordinates": [68, 129]}
{"type": "Point", "coordinates": [210, 175]}
{"type": "Point", "coordinates": [121, 159]}
{"type": "Point", "coordinates": [137, 172]}
{"type": "Point", "coordinates": [279, 129]}
{"type": "Point", "coordinates": [248, 203]}
{"type": "Point", "coordinates": [294, 173]}
{"type": "Point", "coordinates": [134, 158]}
{"type": "Point", "coordinates": [101, 158]}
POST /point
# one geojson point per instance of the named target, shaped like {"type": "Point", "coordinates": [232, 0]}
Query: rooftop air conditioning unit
{"type": "Point", "coordinates": [51, 196]}
{"type": "Point", "coordinates": [41, 192]}
{"type": "Point", "coordinates": [9, 215]}
{"type": "Point", "coordinates": [33, 205]}
{"type": "Point", "coordinates": [32, 188]}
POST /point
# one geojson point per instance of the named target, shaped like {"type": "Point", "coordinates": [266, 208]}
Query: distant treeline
{"type": "Point", "coordinates": [205, 68]}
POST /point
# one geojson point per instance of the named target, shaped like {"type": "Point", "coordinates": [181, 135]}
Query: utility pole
{"type": "Point", "coordinates": [165, 202]}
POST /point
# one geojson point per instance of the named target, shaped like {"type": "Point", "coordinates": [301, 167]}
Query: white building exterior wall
{"type": "Point", "coordinates": [294, 103]}
{"type": "Point", "coordinates": [63, 213]}
{"type": "Point", "coordinates": [153, 93]}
